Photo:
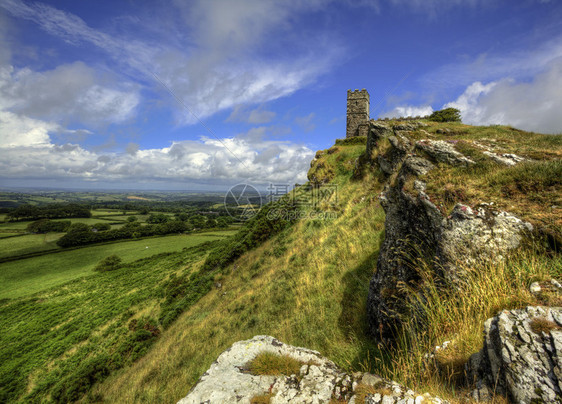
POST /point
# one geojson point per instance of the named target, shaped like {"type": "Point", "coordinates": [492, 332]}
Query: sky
{"type": "Point", "coordinates": [206, 94]}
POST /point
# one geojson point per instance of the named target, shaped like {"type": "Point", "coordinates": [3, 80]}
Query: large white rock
{"type": "Point", "coordinates": [517, 360]}
{"type": "Point", "coordinates": [319, 379]}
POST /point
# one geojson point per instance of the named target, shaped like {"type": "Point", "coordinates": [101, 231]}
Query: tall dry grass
{"type": "Point", "coordinates": [456, 313]}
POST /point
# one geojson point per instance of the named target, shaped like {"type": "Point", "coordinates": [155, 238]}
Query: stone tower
{"type": "Point", "coordinates": [357, 113]}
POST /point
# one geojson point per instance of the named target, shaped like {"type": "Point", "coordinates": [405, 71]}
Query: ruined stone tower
{"type": "Point", "coordinates": [357, 113]}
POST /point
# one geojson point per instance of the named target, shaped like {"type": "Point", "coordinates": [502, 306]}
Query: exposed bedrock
{"type": "Point", "coordinates": [319, 380]}
{"type": "Point", "coordinates": [415, 228]}
{"type": "Point", "coordinates": [521, 358]}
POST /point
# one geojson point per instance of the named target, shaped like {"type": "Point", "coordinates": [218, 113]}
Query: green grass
{"type": "Point", "coordinates": [107, 212]}
{"type": "Point", "coordinates": [30, 275]}
{"type": "Point", "coordinates": [14, 225]}
{"type": "Point", "coordinates": [94, 220]}
{"type": "Point", "coordinates": [57, 343]}
{"type": "Point", "coordinates": [28, 243]}
{"type": "Point", "coordinates": [308, 286]}
{"type": "Point", "coordinates": [8, 234]}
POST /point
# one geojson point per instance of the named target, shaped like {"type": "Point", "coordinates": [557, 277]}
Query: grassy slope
{"type": "Point", "coordinates": [59, 341]}
{"type": "Point", "coordinates": [308, 287]}
{"type": "Point", "coordinates": [30, 275]}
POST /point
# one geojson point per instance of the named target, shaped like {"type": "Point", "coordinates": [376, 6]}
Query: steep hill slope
{"type": "Point", "coordinates": [307, 282]}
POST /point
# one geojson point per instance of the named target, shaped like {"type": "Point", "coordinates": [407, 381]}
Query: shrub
{"type": "Point", "coordinates": [110, 263]}
{"type": "Point", "coordinates": [351, 141]}
{"type": "Point", "coordinates": [46, 226]}
{"type": "Point", "coordinates": [101, 226]}
{"type": "Point", "coordinates": [78, 234]}
{"type": "Point", "coordinates": [446, 115]}
{"type": "Point", "coordinates": [157, 218]}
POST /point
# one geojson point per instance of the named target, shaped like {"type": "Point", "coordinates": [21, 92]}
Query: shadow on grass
{"type": "Point", "coordinates": [353, 318]}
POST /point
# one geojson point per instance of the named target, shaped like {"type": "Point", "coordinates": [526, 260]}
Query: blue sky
{"type": "Point", "coordinates": [204, 94]}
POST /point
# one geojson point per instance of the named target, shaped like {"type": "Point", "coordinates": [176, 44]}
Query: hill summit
{"type": "Point", "coordinates": [428, 230]}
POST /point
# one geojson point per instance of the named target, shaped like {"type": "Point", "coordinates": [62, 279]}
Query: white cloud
{"type": "Point", "coordinates": [69, 92]}
{"type": "Point", "coordinates": [408, 110]}
{"type": "Point", "coordinates": [221, 64]}
{"type": "Point", "coordinates": [17, 131]}
{"type": "Point", "coordinates": [524, 62]}
{"type": "Point", "coordinates": [531, 105]}
{"type": "Point", "coordinates": [246, 157]}
{"type": "Point", "coordinates": [259, 116]}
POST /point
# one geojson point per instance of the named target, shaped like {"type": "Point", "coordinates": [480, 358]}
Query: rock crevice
{"type": "Point", "coordinates": [416, 229]}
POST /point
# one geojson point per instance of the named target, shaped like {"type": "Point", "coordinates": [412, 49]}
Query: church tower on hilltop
{"type": "Point", "coordinates": [357, 113]}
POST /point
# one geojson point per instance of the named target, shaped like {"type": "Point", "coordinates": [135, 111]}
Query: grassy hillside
{"type": "Point", "coordinates": [30, 275]}
{"type": "Point", "coordinates": [299, 271]}
{"type": "Point", "coordinates": [56, 342]}
{"type": "Point", "coordinates": [308, 285]}
{"type": "Point", "coordinates": [531, 190]}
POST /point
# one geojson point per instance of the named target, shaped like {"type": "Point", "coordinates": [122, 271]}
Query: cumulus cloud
{"type": "Point", "coordinates": [18, 130]}
{"type": "Point", "coordinates": [246, 157]}
{"type": "Point", "coordinates": [531, 105]}
{"type": "Point", "coordinates": [408, 110]}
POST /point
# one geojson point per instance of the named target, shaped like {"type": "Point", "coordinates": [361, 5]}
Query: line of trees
{"type": "Point", "coordinates": [52, 211]}
{"type": "Point", "coordinates": [81, 234]}
{"type": "Point", "coordinates": [48, 226]}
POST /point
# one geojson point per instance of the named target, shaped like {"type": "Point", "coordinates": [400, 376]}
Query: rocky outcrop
{"type": "Point", "coordinates": [377, 132]}
{"type": "Point", "coordinates": [400, 146]}
{"type": "Point", "coordinates": [477, 234]}
{"type": "Point", "coordinates": [415, 228]}
{"type": "Point", "coordinates": [443, 151]}
{"type": "Point", "coordinates": [508, 159]}
{"type": "Point", "coordinates": [522, 356]}
{"type": "Point", "coordinates": [318, 381]}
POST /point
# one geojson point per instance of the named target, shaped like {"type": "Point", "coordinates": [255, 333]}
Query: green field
{"type": "Point", "coordinates": [30, 275]}
{"type": "Point", "coordinates": [28, 243]}
{"type": "Point", "coordinates": [14, 225]}
{"type": "Point", "coordinates": [106, 212]}
{"type": "Point", "coordinates": [56, 344]}
{"type": "Point", "coordinates": [8, 234]}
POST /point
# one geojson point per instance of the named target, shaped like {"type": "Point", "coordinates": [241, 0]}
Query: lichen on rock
{"type": "Point", "coordinates": [518, 361]}
{"type": "Point", "coordinates": [319, 380]}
